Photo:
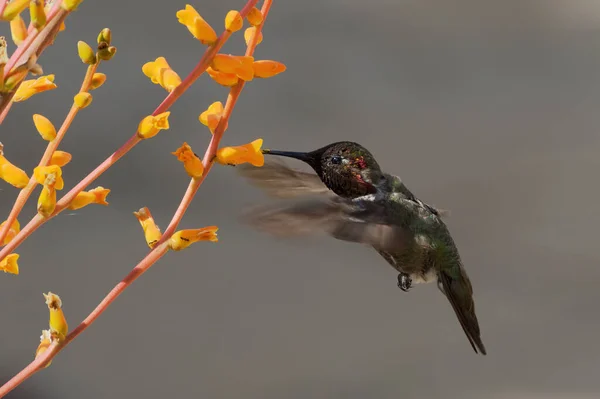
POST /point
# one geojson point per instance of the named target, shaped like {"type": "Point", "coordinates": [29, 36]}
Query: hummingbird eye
{"type": "Point", "coordinates": [336, 159]}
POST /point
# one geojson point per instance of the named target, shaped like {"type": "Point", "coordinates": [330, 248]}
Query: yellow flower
{"type": "Point", "coordinates": [212, 116]}
{"type": "Point", "coordinates": [60, 158]}
{"type": "Point", "coordinates": [50, 175]}
{"type": "Point", "coordinates": [45, 341]}
{"type": "Point", "coordinates": [191, 162]}
{"type": "Point", "coordinates": [151, 230]}
{"type": "Point", "coordinates": [197, 26]}
{"type": "Point", "coordinates": [13, 230]}
{"type": "Point", "coordinates": [30, 87]}
{"type": "Point", "coordinates": [58, 322]}
{"type": "Point", "coordinates": [247, 153]}
{"type": "Point", "coordinates": [9, 264]}
{"type": "Point", "coordinates": [44, 127]}
{"type": "Point", "coordinates": [82, 99]}
{"type": "Point", "coordinates": [184, 238]}
{"type": "Point", "coordinates": [47, 201]}
{"type": "Point", "coordinates": [248, 33]}
{"type": "Point", "coordinates": [233, 21]}
{"type": "Point", "coordinates": [70, 5]}
{"type": "Point", "coordinates": [37, 13]}
{"type": "Point", "coordinates": [18, 30]}
{"type": "Point", "coordinates": [151, 125]}
{"type": "Point", "coordinates": [267, 68]}
{"type": "Point", "coordinates": [161, 73]}
{"type": "Point", "coordinates": [12, 174]}
{"type": "Point", "coordinates": [222, 78]}
{"type": "Point", "coordinates": [255, 17]}
{"type": "Point", "coordinates": [239, 65]}
{"type": "Point", "coordinates": [95, 196]}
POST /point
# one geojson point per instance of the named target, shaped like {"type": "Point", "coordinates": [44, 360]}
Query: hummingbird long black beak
{"type": "Point", "coordinates": [302, 156]}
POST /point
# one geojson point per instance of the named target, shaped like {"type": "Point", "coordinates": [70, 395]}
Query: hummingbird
{"type": "Point", "coordinates": [353, 200]}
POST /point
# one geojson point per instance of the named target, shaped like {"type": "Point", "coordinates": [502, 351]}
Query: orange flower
{"type": "Point", "coordinates": [94, 196]}
{"type": "Point", "coordinates": [191, 162]}
{"type": "Point", "coordinates": [151, 230]}
{"type": "Point", "coordinates": [49, 175]}
{"type": "Point", "coordinates": [197, 26]}
{"type": "Point", "coordinates": [161, 73]}
{"type": "Point", "coordinates": [13, 230]}
{"type": "Point", "coordinates": [151, 125]}
{"type": "Point", "coordinates": [184, 238]}
{"type": "Point", "coordinates": [247, 153]}
{"type": "Point", "coordinates": [60, 158]}
{"type": "Point", "coordinates": [30, 87]}
{"type": "Point", "coordinates": [233, 21]}
{"type": "Point", "coordinates": [222, 78]}
{"type": "Point", "coordinates": [267, 68]}
{"type": "Point", "coordinates": [9, 264]}
{"type": "Point", "coordinates": [212, 116]}
{"type": "Point", "coordinates": [11, 173]}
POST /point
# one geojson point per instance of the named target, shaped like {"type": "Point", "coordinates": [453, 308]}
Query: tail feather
{"type": "Point", "coordinates": [460, 296]}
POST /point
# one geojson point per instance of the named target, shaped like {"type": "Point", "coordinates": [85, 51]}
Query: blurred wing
{"type": "Point", "coordinates": [336, 217]}
{"type": "Point", "coordinates": [280, 181]}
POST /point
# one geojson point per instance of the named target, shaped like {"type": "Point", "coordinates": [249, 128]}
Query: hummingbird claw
{"type": "Point", "coordinates": [404, 282]}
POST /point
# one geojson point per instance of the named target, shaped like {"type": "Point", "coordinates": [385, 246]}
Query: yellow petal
{"type": "Point", "coordinates": [12, 174]}
{"type": "Point", "coordinates": [60, 158]}
{"type": "Point", "coordinates": [184, 238]}
{"type": "Point", "coordinates": [44, 127]}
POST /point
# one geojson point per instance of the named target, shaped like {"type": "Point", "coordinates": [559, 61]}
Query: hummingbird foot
{"type": "Point", "coordinates": [404, 282]}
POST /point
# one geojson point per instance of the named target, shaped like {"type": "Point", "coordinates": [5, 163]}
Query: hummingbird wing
{"type": "Point", "coordinates": [342, 219]}
{"type": "Point", "coordinates": [280, 181]}
{"type": "Point", "coordinates": [457, 288]}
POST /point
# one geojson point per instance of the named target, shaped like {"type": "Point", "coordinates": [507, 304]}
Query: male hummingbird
{"type": "Point", "coordinates": [356, 201]}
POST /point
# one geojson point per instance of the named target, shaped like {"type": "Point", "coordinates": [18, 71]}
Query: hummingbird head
{"type": "Point", "coordinates": [346, 168]}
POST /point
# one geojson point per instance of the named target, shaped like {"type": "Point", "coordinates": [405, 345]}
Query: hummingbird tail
{"type": "Point", "coordinates": [460, 297]}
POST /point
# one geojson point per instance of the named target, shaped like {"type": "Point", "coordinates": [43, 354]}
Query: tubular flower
{"type": "Point", "coordinates": [151, 230]}
{"type": "Point", "coordinates": [233, 21]}
{"type": "Point", "coordinates": [267, 68]}
{"type": "Point", "coordinates": [222, 78]}
{"type": "Point", "coordinates": [13, 230]}
{"type": "Point", "coordinates": [9, 264]}
{"type": "Point", "coordinates": [30, 87]}
{"type": "Point", "coordinates": [44, 127]}
{"type": "Point", "coordinates": [212, 116]}
{"type": "Point", "coordinates": [18, 30]}
{"type": "Point", "coordinates": [60, 158]}
{"type": "Point", "coordinates": [191, 162]}
{"type": "Point", "coordinates": [50, 175]}
{"type": "Point", "coordinates": [12, 174]}
{"type": "Point", "coordinates": [231, 64]}
{"type": "Point", "coordinates": [151, 125]}
{"type": "Point", "coordinates": [248, 33]}
{"type": "Point", "coordinates": [247, 153]}
{"type": "Point", "coordinates": [197, 26]}
{"type": "Point", "coordinates": [46, 201]}
{"type": "Point", "coordinates": [95, 196]}
{"type": "Point", "coordinates": [184, 238]}
{"type": "Point", "coordinates": [161, 73]}
{"type": "Point", "coordinates": [45, 341]}
{"type": "Point", "coordinates": [58, 322]}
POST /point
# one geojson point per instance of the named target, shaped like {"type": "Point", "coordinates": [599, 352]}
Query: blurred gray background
{"type": "Point", "coordinates": [487, 108]}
